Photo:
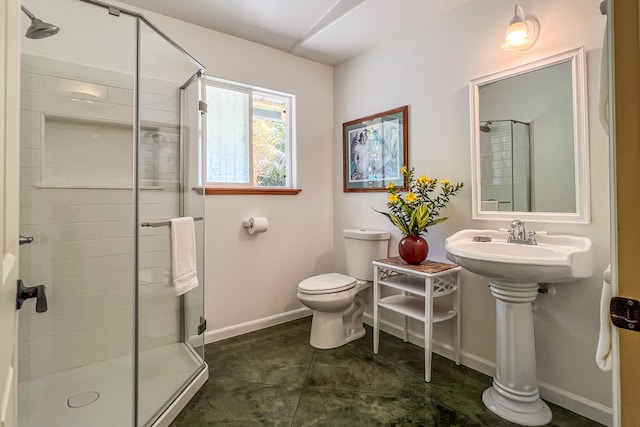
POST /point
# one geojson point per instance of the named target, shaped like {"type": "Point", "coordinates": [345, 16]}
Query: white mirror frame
{"type": "Point", "coordinates": [580, 140]}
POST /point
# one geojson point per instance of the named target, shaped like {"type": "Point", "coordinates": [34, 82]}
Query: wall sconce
{"type": "Point", "coordinates": [522, 33]}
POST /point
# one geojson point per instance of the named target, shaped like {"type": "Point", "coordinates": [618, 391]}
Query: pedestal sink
{"type": "Point", "coordinates": [514, 272]}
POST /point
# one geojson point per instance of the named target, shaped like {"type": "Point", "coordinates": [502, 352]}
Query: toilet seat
{"type": "Point", "coordinates": [326, 284]}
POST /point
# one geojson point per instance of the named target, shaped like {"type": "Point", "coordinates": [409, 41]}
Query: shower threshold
{"type": "Point", "coordinates": [44, 401]}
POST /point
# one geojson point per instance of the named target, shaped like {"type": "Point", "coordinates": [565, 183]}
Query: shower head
{"type": "Point", "coordinates": [38, 29]}
{"type": "Point", "coordinates": [485, 127]}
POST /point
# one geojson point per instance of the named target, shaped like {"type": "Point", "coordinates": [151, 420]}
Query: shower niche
{"type": "Point", "coordinates": [110, 140]}
{"type": "Point", "coordinates": [89, 153]}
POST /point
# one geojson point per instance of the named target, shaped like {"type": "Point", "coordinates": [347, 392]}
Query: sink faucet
{"type": "Point", "coordinates": [518, 234]}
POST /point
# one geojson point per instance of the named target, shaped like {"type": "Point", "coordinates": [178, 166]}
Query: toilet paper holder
{"type": "Point", "coordinates": [256, 225]}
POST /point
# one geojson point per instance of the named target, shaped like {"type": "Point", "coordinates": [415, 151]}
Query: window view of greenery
{"type": "Point", "coordinates": [269, 148]}
{"type": "Point", "coordinates": [248, 137]}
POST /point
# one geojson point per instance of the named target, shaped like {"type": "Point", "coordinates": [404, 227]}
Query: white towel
{"type": "Point", "coordinates": [183, 255]}
{"type": "Point", "coordinates": [604, 353]}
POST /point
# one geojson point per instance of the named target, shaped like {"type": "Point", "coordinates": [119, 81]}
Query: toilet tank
{"type": "Point", "coordinates": [362, 247]}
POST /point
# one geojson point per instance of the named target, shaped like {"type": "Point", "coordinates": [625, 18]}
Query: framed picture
{"type": "Point", "coordinates": [375, 148]}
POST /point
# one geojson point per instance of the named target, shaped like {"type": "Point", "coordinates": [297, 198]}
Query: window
{"type": "Point", "coordinates": [249, 137]}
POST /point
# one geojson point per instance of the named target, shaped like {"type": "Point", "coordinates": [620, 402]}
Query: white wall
{"type": "Point", "coordinates": [253, 278]}
{"type": "Point", "coordinates": [429, 69]}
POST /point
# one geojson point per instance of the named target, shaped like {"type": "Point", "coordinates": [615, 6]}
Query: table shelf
{"type": "Point", "coordinates": [413, 307]}
{"type": "Point", "coordinates": [422, 286]}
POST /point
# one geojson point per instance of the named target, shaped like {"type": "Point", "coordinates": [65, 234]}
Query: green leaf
{"type": "Point", "coordinates": [420, 217]}
{"type": "Point", "coordinates": [400, 224]}
{"type": "Point", "coordinates": [395, 220]}
{"type": "Point", "coordinates": [437, 221]}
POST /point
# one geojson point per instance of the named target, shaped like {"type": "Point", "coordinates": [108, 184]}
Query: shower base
{"type": "Point", "coordinates": [44, 401]}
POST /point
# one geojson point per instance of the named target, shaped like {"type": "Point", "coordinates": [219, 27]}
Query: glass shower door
{"type": "Point", "coordinates": [77, 202]}
{"type": "Point", "coordinates": [169, 345]}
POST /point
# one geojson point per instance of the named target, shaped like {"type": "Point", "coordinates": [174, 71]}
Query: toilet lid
{"type": "Point", "coordinates": [326, 284]}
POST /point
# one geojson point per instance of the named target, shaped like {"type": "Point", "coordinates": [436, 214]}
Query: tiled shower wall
{"type": "Point", "coordinates": [505, 167]}
{"type": "Point", "coordinates": [77, 202]}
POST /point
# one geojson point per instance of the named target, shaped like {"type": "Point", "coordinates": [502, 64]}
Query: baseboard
{"type": "Point", "coordinates": [578, 404]}
{"type": "Point", "coordinates": [255, 325]}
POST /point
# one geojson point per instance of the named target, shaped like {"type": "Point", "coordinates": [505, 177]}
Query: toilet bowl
{"type": "Point", "coordinates": [338, 301]}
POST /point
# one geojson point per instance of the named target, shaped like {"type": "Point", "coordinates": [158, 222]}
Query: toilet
{"type": "Point", "coordinates": [338, 300]}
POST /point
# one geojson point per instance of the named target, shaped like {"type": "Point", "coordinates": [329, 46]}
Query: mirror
{"type": "Point", "coordinates": [529, 141]}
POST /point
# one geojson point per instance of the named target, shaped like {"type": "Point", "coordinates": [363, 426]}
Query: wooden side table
{"type": "Point", "coordinates": [420, 285]}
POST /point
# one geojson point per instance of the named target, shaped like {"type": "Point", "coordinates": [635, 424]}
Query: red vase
{"type": "Point", "coordinates": [413, 250]}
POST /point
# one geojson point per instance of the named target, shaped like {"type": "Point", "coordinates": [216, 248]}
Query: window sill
{"type": "Point", "coordinates": [209, 191]}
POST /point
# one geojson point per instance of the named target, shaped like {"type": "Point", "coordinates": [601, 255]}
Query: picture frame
{"type": "Point", "coordinates": [374, 150]}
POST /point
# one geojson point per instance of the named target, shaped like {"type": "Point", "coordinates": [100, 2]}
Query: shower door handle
{"type": "Point", "coordinates": [26, 292]}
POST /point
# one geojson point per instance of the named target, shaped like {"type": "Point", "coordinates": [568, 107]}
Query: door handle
{"type": "Point", "coordinates": [625, 313]}
{"type": "Point", "coordinates": [26, 292]}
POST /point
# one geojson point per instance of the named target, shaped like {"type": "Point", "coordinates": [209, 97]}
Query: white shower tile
{"type": "Point", "coordinates": [162, 87]}
{"type": "Point", "coordinates": [52, 67]}
{"type": "Point", "coordinates": [160, 258]}
{"type": "Point", "coordinates": [105, 77]}
{"type": "Point", "coordinates": [49, 104]}
{"type": "Point", "coordinates": [30, 139]}
{"type": "Point", "coordinates": [107, 111]}
{"type": "Point", "coordinates": [31, 82]}
{"type": "Point", "coordinates": [68, 287]}
{"type": "Point", "coordinates": [160, 116]}
{"type": "Point", "coordinates": [117, 330]}
{"type": "Point", "coordinates": [121, 296]}
{"type": "Point", "coordinates": [73, 88]}
{"type": "Point", "coordinates": [124, 312]}
{"type": "Point", "coordinates": [37, 328]}
{"type": "Point", "coordinates": [119, 348]}
{"type": "Point", "coordinates": [157, 102]}
{"type": "Point", "coordinates": [89, 354]}
{"type": "Point", "coordinates": [29, 176]}
{"type": "Point", "coordinates": [30, 120]}
{"type": "Point", "coordinates": [120, 96]}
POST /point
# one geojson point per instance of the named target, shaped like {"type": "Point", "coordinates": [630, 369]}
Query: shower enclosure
{"type": "Point", "coordinates": [505, 151]}
{"type": "Point", "coordinates": [110, 139]}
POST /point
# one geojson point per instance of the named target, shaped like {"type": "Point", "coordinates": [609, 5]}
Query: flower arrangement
{"type": "Point", "coordinates": [420, 207]}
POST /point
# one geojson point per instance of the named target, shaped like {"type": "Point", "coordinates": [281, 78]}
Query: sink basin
{"type": "Point", "coordinates": [556, 258]}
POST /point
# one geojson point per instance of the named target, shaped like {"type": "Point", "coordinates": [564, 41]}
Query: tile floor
{"type": "Point", "coordinates": [273, 377]}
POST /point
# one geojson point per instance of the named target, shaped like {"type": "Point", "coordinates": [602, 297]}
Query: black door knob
{"type": "Point", "coordinates": [26, 292]}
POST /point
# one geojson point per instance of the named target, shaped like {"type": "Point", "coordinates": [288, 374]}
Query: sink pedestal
{"type": "Point", "coordinates": [514, 395]}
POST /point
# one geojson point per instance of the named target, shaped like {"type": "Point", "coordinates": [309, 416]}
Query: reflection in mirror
{"type": "Point", "coordinates": [505, 183]}
{"type": "Point", "coordinates": [529, 142]}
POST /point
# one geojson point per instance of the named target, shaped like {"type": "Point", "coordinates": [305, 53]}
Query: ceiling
{"type": "Point", "coordinates": [326, 31]}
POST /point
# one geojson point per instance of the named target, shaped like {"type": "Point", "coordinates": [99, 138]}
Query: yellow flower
{"type": "Point", "coordinates": [414, 209]}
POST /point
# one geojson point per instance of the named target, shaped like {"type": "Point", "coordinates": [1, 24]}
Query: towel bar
{"type": "Point", "coordinates": [164, 223]}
